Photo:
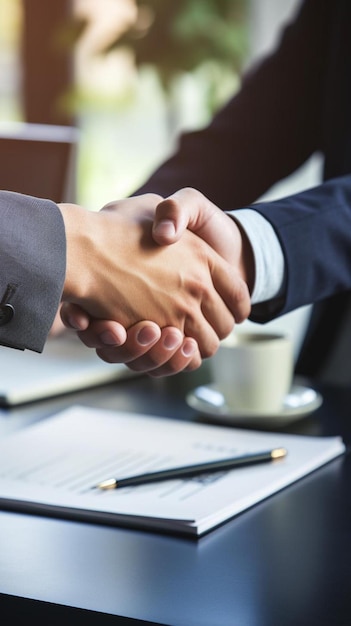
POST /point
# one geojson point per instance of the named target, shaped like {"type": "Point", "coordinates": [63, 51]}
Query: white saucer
{"type": "Point", "coordinates": [300, 401]}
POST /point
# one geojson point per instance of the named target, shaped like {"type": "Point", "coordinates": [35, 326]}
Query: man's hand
{"type": "Point", "coordinates": [166, 352]}
{"type": "Point", "coordinates": [115, 271]}
{"type": "Point", "coordinates": [144, 347]}
{"type": "Point", "coordinates": [190, 209]}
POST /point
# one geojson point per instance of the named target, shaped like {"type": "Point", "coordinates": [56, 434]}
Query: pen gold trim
{"type": "Point", "coordinates": [189, 471]}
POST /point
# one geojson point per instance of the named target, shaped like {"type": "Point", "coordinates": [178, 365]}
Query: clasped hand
{"type": "Point", "coordinates": [179, 262]}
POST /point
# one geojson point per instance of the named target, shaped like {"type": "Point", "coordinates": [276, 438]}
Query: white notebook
{"type": "Point", "coordinates": [53, 468]}
{"type": "Point", "coordinates": [65, 365]}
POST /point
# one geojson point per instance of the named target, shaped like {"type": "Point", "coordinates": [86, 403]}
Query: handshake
{"type": "Point", "coordinates": [155, 283]}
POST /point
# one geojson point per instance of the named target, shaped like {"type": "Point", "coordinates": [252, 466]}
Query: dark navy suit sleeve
{"type": "Point", "coordinates": [283, 113]}
{"type": "Point", "coordinates": [33, 266]}
{"type": "Point", "coordinates": [314, 229]}
{"type": "Point", "coordinates": [267, 130]}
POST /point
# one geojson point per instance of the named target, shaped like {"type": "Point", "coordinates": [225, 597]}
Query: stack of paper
{"type": "Point", "coordinates": [66, 365]}
{"type": "Point", "coordinates": [53, 467]}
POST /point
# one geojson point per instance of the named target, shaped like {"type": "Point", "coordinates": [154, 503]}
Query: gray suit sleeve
{"type": "Point", "coordinates": [33, 267]}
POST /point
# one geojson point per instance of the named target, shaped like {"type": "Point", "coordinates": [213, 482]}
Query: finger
{"type": "Point", "coordinates": [171, 220]}
{"type": "Point", "coordinates": [149, 357]}
{"type": "Point", "coordinates": [170, 341]}
{"type": "Point", "coordinates": [57, 327]}
{"type": "Point", "coordinates": [210, 319]}
{"type": "Point", "coordinates": [101, 333]}
{"type": "Point", "coordinates": [231, 288]}
{"type": "Point", "coordinates": [224, 299]}
{"type": "Point", "coordinates": [185, 359]}
{"type": "Point", "coordinates": [74, 317]}
{"type": "Point", "coordinates": [124, 345]}
{"type": "Point", "coordinates": [186, 208]}
{"type": "Point", "coordinates": [206, 335]}
{"type": "Point", "coordinates": [140, 338]}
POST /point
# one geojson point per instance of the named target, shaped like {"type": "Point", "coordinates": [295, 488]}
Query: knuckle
{"type": "Point", "coordinates": [194, 364]}
{"type": "Point", "coordinates": [153, 197]}
{"type": "Point", "coordinates": [226, 328]}
{"type": "Point", "coordinates": [210, 348]}
{"type": "Point", "coordinates": [190, 191]}
{"type": "Point", "coordinates": [166, 370]}
{"type": "Point", "coordinates": [143, 364]}
{"type": "Point", "coordinates": [87, 339]}
{"type": "Point", "coordinates": [243, 302]}
{"type": "Point", "coordinates": [105, 355]}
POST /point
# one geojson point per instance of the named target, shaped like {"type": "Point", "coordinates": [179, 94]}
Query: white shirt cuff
{"type": "Point", "coordinates": [268, 254]}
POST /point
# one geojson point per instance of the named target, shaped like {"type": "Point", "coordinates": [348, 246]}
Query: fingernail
{"type": "Point", "coordinates": [165, 228]}
{"type": "Point", "coordinates": [189, 348]}
{"type": "Point", "coordinates": [146, 335]}
{"type": "Point", "coordinates": [73, 323]}
{"type": "Point", "coordinates": [171, 342]}
{"type": "Point", "coordinates": [109, 339]}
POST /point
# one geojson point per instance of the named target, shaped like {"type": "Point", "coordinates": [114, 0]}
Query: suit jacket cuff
{"type": "Point", "coordinates": [33, 259]}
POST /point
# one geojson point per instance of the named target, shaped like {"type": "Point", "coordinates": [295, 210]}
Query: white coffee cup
{"type": "Point", "coordinates": [253, 370]}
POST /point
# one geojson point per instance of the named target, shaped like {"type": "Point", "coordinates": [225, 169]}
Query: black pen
{"type": "Point", "coordinates": [187, 471]}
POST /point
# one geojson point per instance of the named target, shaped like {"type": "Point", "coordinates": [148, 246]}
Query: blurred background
{"type": "Point", "coordinates": [131, 75]}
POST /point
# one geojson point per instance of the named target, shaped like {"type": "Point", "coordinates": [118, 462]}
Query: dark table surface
{"type": "Point", "coordinates": [286, 561]}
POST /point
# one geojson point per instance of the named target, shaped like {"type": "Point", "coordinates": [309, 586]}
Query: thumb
{"type": "Point", "coordinates": [186, 208]}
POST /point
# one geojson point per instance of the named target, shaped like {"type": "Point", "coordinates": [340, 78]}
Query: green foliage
{"type": "Point", "coordinates": [176, 36]}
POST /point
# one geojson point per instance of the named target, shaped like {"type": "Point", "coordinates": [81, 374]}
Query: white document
{"type": "Point", "coordinates": [65, 365]}
{"type": "Point", "coordinates": [53, 467]}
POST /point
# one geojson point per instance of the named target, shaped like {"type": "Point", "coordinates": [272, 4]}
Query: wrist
{"type": "Point", "coordinates": [79, 244]}
{"type": "Point", "coordinates": [246, 260]}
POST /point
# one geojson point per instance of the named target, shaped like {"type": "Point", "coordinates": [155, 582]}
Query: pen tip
{"type": "Point", "coordinates": [107, 484]}
{"type": "Point", "coordinates": [279, 453]}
